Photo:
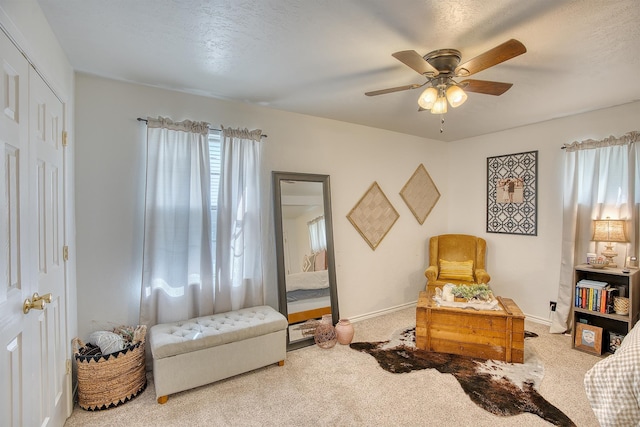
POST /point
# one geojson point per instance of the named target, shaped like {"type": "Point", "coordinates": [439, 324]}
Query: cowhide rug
{"type": "Point", "coordinates": [501, 388]}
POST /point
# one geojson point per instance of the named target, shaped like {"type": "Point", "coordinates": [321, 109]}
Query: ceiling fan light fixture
{"type": "Point", "coordinates": [428, 98]}
{"type": "Point", "coordinates": [440, 106]}
{"type": "Point", "coordinates": [440, 67]}
{"type": "Point", "coordinates": [456, 96]}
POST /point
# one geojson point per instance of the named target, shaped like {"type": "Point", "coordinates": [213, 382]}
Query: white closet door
{"type": "Point", "coordinates": [15, 275]}
{"type": "Point", "coordinates": [49, 340]}
{"type": "Point", "coordinates": [34, 390]}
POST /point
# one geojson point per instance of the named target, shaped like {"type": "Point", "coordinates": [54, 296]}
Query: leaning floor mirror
{"type": "Point", "coordinates": [304, 252]}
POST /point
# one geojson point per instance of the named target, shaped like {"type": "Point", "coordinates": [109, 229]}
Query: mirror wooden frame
{"type": "Point", "coordinates": [277, 178]}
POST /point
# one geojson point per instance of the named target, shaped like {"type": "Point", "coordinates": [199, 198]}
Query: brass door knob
{"type": "Point", "coordinates": [28, 305]}
{"type": "Point", "coordinates": [46, 297]}
{"type": "Point", "coordinates": [36, 302]}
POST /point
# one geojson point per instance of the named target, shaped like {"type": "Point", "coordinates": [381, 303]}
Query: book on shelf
{"type": "Point", "coordinates": [594, 296]}
{"type": "Point", "coordinates": [586, 283]}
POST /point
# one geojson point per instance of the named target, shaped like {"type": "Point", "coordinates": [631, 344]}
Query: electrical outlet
{"type": "Point", "coordinates": [552, 305]}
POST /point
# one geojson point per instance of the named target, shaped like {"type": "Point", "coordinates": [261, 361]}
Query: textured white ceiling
{"type": "Point", "coordinates": [318, 57]}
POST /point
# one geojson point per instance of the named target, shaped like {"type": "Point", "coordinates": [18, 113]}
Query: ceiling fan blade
{"type": "Point", "coordinates": [394, 89]}
{"type": "Point", "coordinates": [412, 59]}
{"type": "Point", "coordinates": [505, 51]}
{"type": "Point", "coordinates": [486, 87]}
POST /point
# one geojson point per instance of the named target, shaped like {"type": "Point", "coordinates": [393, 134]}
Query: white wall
{"type": "Point", "coordinates": [110, 193]}
{"type": "Point", "coordinates": [110, 176]}
{"type": "Point", "coordinates": [526, 268]}
{"type": "Point", "coordinates": [29, 28]}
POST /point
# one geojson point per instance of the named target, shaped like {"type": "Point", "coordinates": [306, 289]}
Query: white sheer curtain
{"type": "Point", "coordinates": [317, 234]}
{"type": "Point", "coordinates": [177, 276]}
{"type": "Point", "coordinates": [239, 275]}
{"type": "Point", "coordinates": [600, 180]}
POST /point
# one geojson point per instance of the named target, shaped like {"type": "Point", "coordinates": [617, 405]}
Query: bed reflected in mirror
{"type": "Point", "coordinates": [304, 244]}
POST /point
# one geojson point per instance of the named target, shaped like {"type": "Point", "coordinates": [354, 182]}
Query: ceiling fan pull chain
{"type": "Point", "coordinates": [441, 123]}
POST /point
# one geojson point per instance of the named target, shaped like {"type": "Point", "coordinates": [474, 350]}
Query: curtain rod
{"type": "Point", "coordinates": [210, 128]}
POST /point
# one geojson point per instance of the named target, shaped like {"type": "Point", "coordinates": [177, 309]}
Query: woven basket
{"type": "Point", "coordinates": [621, 305]}
{"type": "Point", "coordinates": [107, 381]}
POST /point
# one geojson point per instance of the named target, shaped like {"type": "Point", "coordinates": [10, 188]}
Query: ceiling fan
{"type": "Point", "coordinates": [442, 66]}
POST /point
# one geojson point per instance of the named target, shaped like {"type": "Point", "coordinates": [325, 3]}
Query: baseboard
{"type": "Point", "coordinates": [537, 319]}
{"type": "Point", "coordinates": [382, 312]}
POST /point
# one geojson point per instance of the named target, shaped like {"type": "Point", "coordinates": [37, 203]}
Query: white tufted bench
{"type": "Point", "coordinates": [199, 351]}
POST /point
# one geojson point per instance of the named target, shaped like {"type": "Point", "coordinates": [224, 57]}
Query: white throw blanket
{"type": "Point", "coordinates": [310, 280]}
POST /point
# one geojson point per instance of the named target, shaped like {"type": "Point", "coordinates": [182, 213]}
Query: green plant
{"type": "Point", "coordinates": [474, 291]}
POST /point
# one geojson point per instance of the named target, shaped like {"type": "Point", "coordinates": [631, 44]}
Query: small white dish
{"type": "Point", "coordinates": [598, 266]}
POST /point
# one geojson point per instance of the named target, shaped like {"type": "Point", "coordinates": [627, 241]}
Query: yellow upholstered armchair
{"type": "Point", "coordinates": [456, 258]}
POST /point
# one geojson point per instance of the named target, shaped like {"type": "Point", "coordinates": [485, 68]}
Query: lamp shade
{"type": "Point", "coordinates": [456, 96]}
{"type": "Point", "coordinates": [428, 98]}
{"type": "Point", "coordinates": [609, 230]}
{"type": "Point", "coordinates": [440, 106]}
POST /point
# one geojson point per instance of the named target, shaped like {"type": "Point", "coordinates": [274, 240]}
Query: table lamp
{"type": "Point", "coordinates": [609, 231]}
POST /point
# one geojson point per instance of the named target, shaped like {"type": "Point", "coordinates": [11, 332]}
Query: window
{"type": "Point", "coordinates": [215, 144]}
{"type": "Point", "coordinates": [317, 236]}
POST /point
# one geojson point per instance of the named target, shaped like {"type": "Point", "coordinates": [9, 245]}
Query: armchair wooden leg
{"type": "Point", "coordinates": [163, 399]}
{"type": "Point", "coordinates": [281, 363]}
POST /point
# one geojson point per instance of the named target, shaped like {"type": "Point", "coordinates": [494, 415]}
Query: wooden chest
{"type": "Point", "coordinates": [487, 334]}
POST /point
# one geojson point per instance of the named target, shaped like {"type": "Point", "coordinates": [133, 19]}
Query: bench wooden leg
{"type": "Point", "coordinates": [163, 399]}
{"type": "Point", "coordinates": [281, 363]}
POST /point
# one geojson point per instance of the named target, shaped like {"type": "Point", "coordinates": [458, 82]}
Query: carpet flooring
{"type": "Point", "coordinates": [504, 389]}
{"type": "Point", "coordinates": [344, 387]}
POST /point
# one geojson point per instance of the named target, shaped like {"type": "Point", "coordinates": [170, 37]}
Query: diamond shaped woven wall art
{"type": "Point", "coordinates": [420, 194]}
{"type": "Point", "coordinates": [373, 216]}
